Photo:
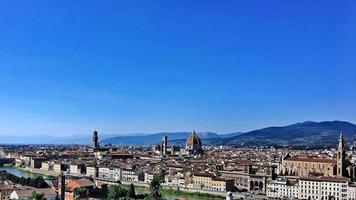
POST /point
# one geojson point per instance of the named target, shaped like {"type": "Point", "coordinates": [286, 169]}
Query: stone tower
{"type": "Point", "coordinates": [340, 157]}
{"type": "Point", "coordinates": [164, 145]}
{"type": "Point", "coordinates": [61, 185]}
{"type": "Point", "coordinates": [95, 139]}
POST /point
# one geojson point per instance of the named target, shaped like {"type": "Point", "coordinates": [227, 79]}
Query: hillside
{"type": "Point", "coordinates": [156, 138]}
{"type": "Point", "coordinates": [299, 134]}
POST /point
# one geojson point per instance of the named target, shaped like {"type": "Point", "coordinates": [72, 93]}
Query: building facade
{"type": "Point", "coordinates": [322, 188]}
{"type": "Point", "coordinates": [283, 189]}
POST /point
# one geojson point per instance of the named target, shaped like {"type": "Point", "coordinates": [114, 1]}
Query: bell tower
{"type": "Point", "coordinates": [95, 139]}
{"type": "Point", "coordinates": [340, 157]}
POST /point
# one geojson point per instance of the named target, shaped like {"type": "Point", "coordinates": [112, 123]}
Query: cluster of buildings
{"type": "Point", "coordinates": [315, 178]}
{"type": "Point", "coordinates": [277, 173]}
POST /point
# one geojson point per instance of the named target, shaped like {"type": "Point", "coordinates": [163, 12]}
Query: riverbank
{"type": "Point", "coordinates": [35, 173]}
{"type": "Point", "coordinates": [23, 172]}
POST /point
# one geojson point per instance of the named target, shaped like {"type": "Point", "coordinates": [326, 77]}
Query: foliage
{"type": "Point", "coordinates": [32, 182]}
{"type": "Point", "coordinates": [155, 186]}
{"type": "Point", "coordinates": [162, 174]}
{"type": "Point", "coordinates": [116, 192]}
{"type": "Point", "coordinates": [131, 191]}
{"type": "Point", "coordinates": [80, 193]}
{"type": "Point", "coordinates": [37, 196]}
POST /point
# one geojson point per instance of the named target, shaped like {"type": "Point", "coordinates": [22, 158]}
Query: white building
{"type": "Point", "coordinates": [132, 175]}
{"type": "Point", "coordinates": [91, 171]}
{"type": "Point", "coordinates": [73, 169]}
{"type": "Point", "coordinates": [104, 173]}
{"type": "Point", "coordinates": [116, 174]}
{"type": "Point", "coordinates": [282, 188]}
{"type": "Point", "coordinates": [321, 188]}
{"type": "Point", "coordinates": [351, 192]}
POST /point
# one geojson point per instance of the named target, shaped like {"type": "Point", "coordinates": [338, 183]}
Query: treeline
{"type": "Point", "coordinates": [116, 192]}
{"type": "Point", "coordinates": [38, 182]}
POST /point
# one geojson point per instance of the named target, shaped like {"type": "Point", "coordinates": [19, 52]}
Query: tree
{"type": "Point", "coordinates": [131, 192]}
{"type": "Point", "coordinates": [162, 174]}
{"type": "Point", "coordinates": [80, 193]}
{"type": "Point", "coordinates": [37, 196]}
{"type": "Point", "coordinates": [28, 180]}
{"type": "Point", "coordinates": [116, 192]}
{"type": "Point", "coordinates": [155, 186]}
{"type": "Point", "coordinates": [40, 182]}
{"type": "Point", "coordinates": [22, 181]}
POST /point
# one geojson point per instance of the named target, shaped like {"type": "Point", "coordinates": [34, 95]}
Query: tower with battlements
{"type": "Point", "coordinates": [95, 139]}
{"type": "Point", "coordinates": [340, 157]}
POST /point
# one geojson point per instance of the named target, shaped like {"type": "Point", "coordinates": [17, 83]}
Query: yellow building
{"type": "Point", "coordinates": [57, 167]}
{"type": "Point", "coordinates": [207, 181]}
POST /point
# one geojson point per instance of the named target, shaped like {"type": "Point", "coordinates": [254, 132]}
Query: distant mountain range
{"type": "Point", "coordinates": [300, 134]}
{"type": "Point", "coordinates": [156, 138]}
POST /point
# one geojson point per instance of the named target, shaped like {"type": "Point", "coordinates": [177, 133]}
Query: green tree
{"type": "Point", "coordinates": [155, 186]}
{"type": "Point", "coordinates": [80, 193]}
{"type": "Point", "coordinates": [37, 196]}
{"type": "Point", "coordinates": [162, 174]}
{"type": "Point", "coordinates": [28, 180]}
{"type": "Point", "coordinates": [131, 192]}
{"type": "Point", "coordinates": [41, 183]}
{"type": "Point", "coordinates": [116, 192]}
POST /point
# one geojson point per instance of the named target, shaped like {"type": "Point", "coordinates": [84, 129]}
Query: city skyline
{"type": "Point", "coordinates": [130, 67]}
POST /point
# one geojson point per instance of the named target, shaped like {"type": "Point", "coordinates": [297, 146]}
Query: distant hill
{"type": "Point", "coordinates": [300, 134]}
{"type": "Point", "coordinates": [307, 133]}
{"type": "Point", "coordinates": [229, 135]}
{"type": "Point", "coordinates": [155, 138]}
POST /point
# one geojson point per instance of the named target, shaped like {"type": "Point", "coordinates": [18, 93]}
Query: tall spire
{"type": "Point", "coordinates": [341, 137]}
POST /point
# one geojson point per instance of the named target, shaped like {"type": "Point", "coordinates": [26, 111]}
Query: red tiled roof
{"type": "Point", "coordinates": [317, 160]}
{"type": "Point", "coordinates": [325, 178]}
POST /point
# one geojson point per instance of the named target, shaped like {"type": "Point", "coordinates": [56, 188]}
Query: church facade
{"type": "Point", "coordinates": [303, 167]}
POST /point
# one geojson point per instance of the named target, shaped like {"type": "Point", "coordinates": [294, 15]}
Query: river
{"type": "Point", "coordinates": [22, 173]}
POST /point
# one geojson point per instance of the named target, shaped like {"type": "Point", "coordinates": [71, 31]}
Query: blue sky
{"type": "Point", "coordinates": [68, 67]}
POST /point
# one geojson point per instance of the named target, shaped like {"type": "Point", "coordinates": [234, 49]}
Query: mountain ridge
{"type": "Point", "coordinates": [298, 134]}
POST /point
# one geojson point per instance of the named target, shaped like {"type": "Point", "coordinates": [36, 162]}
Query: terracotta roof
{"type": "Point", "coordinates": [193, 140]}
{"type": "Point", "coordinates": [28, 193]}
{"type": "Point", "coordinates": [318, 160]}
{"type": "Point", "coordinates": [83, 182]}
{"type": "Point", "coordinates": [326, 178]}
{"type": "Point", "coordinates": [120, 153]}
{"type": "Point", "coordinates": [205, 174]}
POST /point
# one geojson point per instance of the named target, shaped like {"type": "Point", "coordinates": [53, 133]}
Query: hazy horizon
{"type": "Point", "coordinates": [68, 68]}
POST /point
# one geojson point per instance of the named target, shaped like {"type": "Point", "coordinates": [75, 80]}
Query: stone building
{"type": "Point", "coordinates": [304, 166]}
{"type": "Point", "coordinates": [298, 166]}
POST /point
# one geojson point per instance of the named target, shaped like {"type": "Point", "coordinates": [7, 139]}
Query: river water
{"type": "Point", "coordinates": [20, 173]}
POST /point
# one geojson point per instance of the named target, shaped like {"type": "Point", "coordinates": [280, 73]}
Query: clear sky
{"type": "Point", "coordinates": [67, 67]}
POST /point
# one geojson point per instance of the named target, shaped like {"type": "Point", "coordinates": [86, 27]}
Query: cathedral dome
{"type": "Point", "coordinates": [193, 141]}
